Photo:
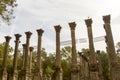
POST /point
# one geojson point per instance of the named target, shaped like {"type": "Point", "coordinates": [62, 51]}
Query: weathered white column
{"type": "Point", "coordinates": [114, 64]}
{"type": "Point", "coordinates": [30, 62]}
{"type": "Point", "coordinates": [74, 70]}
{"type": "Point", "coordinates": [100, 65]}
{"type": "Point", "coordinates": [84, 67]}
{"type": "Point", "coordinates": [58, 56]}
{"type": "Point", "coordinates": [23, 56]}
{"type": "Point", "coordinates": [38, 69]}
{"type": "Point", "coordinates": [26, 72]}
{"type": "Point", "coordinates": [4, 64]}
{"type": "Point", "coordinates": [92, 61]}
{"type": "Point", "coordinates": [15, 72]}
{"type": "Point", "coordinates": [22, 72]}
{"type": "Point", "coordinates": [82, 71]}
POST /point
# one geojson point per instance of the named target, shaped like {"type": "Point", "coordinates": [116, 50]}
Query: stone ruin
{"type": "Point", "coordinates": [89, 69]}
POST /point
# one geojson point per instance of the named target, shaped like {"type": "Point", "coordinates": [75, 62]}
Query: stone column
{"type": "Point", "coordinates": [84, 67]}
{"type": "Point", "coordinates": [114, 64]}
{"type": "Point", "coordinates": [4, 64]}
{"type": "Point", "coordinates": [74, 70]}
{"type": "Point", "coordinates": [81, 73]}
{"type": "Point", "coordinates": [15, 72]}
{"type": "Point", "coordinates": [92, 62]}
{"type": "Point", "coordinates": [23, 56]}
{"type": "Point", "coordinates": [30, 62]}
{"type": "Point", "coordinates": [30, 58]}
{"type": "Point", "coordinates": [100, 65]}
{"type": "Point", "coordinates": [58, 56]}
{"type": "Point", "coordinates": [26, 64]}
{"type": "Point", "coordinates": [38, 71]}
{"type": "Point", "coordinates": [22, 72]}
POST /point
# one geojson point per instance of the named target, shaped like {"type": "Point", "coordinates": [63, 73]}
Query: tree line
{"type": "Point", "coordinates": [48, 61]}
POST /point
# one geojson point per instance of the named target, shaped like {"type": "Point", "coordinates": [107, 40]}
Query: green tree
{"type": "Point", "coordinates": [105, 65]}
{"type": "Point", "coordinates": [66, 62]}
{"type": "Point", "coordinates": [7, 10]}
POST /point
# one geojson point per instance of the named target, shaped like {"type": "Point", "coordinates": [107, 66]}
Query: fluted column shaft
{"type": "Point", "coordinates": [15, 73]}
{"type": "Point", "coordinates": [92, 62]}
{"type": "Point", "coordinates": [30, 59]}
{"type": "Point", "coordinates": [90, 37]}
{"type": "Point", "coordinates": [38, 73]}
{"type": "Point", "coordinates": [6, 51]}
{"type": "Point", "coordinates": [23, 56]}
{"type": "Point", "coordinates": [16, 52]}
{"type": "Point", "coordinates": [74, 73]}
{"type": "Point", "coordinates": [114, 64]}
{"type": "Point", "coordinates": [109, 37]}
{"type": "Point", "coordinates": [100, 65]}
{"type": "Point", "coordinates": [58, 56]}
{"type": "Point", "coordinates": [4, 64]}
{"type": "Point", "coordinates": [26, 75]}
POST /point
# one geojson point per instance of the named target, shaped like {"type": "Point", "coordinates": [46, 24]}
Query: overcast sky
{"type": "Point", "coordinates": [35, 14]}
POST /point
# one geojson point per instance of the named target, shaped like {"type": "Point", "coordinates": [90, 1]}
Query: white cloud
{"type": "Point", "coordinates": [35, 14]}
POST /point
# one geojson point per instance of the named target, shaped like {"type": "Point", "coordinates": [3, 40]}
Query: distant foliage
{"type": "Point", "coordinates": [7, 10]}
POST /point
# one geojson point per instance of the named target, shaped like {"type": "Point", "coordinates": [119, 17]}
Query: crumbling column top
{"type": "Point", "coordinates": [72, 25]}
{"type": "Point", "coordinates": [7, 38]}
{"type": "Point", "coordinates": [57, 28]}
{"type": "Point", "coordinates": [17, 36]}
{"type": "Point", "coordinates": [88, 22]}
{"type": "Point", "coordinates": [106, 19]}
{"type": "Point", "coordinates": [31, 49]}
{"type": "Point", "coordinates": [40, 31]}
{"type": "Point", "coordinates": [28, 34]}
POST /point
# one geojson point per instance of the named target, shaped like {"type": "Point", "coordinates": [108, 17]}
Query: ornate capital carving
{"type": "Point", "coordinates": [17, 36]}
{"type": "Point", "coordinates": [72, 25]}
{"type": "Point", "coordinates": [28, 34]}
{"type": "Point", "coordinates": [106, 19]}
{"type": "Point", "coordinates": [88, 22]}
{"type": "Point", "coordinates": [31, 49]}
{"type": "Point", "coordinates": [57, 28]}
{"type": "Point", "coordinates": [40, 32]}
{"type": "Point", "coordinates": [23, 45]}
{"type": "Point", "coordinates": [7, 38]}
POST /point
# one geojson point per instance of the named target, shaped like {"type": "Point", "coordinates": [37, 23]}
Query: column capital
{"type": "Point", "coordinates": [57, 28]}
{"type": "Point", "coordinates": [72, 25]}
{"type": "Point", "coordinates": [106, 19]}
{"type": "Point", "coordinates": [40, 31]}
{"type": "Point", "coordinates": [17, 36]}
{"type": "Point", "coordinates": [28, 34]}
{"type": "Point", "coordinates": [23, 45]}
{"type": "Point", "coordinates": [88, 22]}
{"type": "Point", "coordinates": [31, 49]}
{"type": "Point", "coordinates": [7, 38]}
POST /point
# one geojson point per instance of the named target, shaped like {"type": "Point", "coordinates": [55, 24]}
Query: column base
{"type": "Point", "coordinates": [115, 71]}
{"type": "Point", "coordinates": [14, 76]}
{"type": "Point", "coordinates": [3, 75]}
{"type": "Point", "coordinates": [94, 72]}
{"type": "Point", "coordinates": [25, 75]}
{"type": "Point", "coordinates": [75, 73]}
{"type": "Point", "coordinates": [59, 73]}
